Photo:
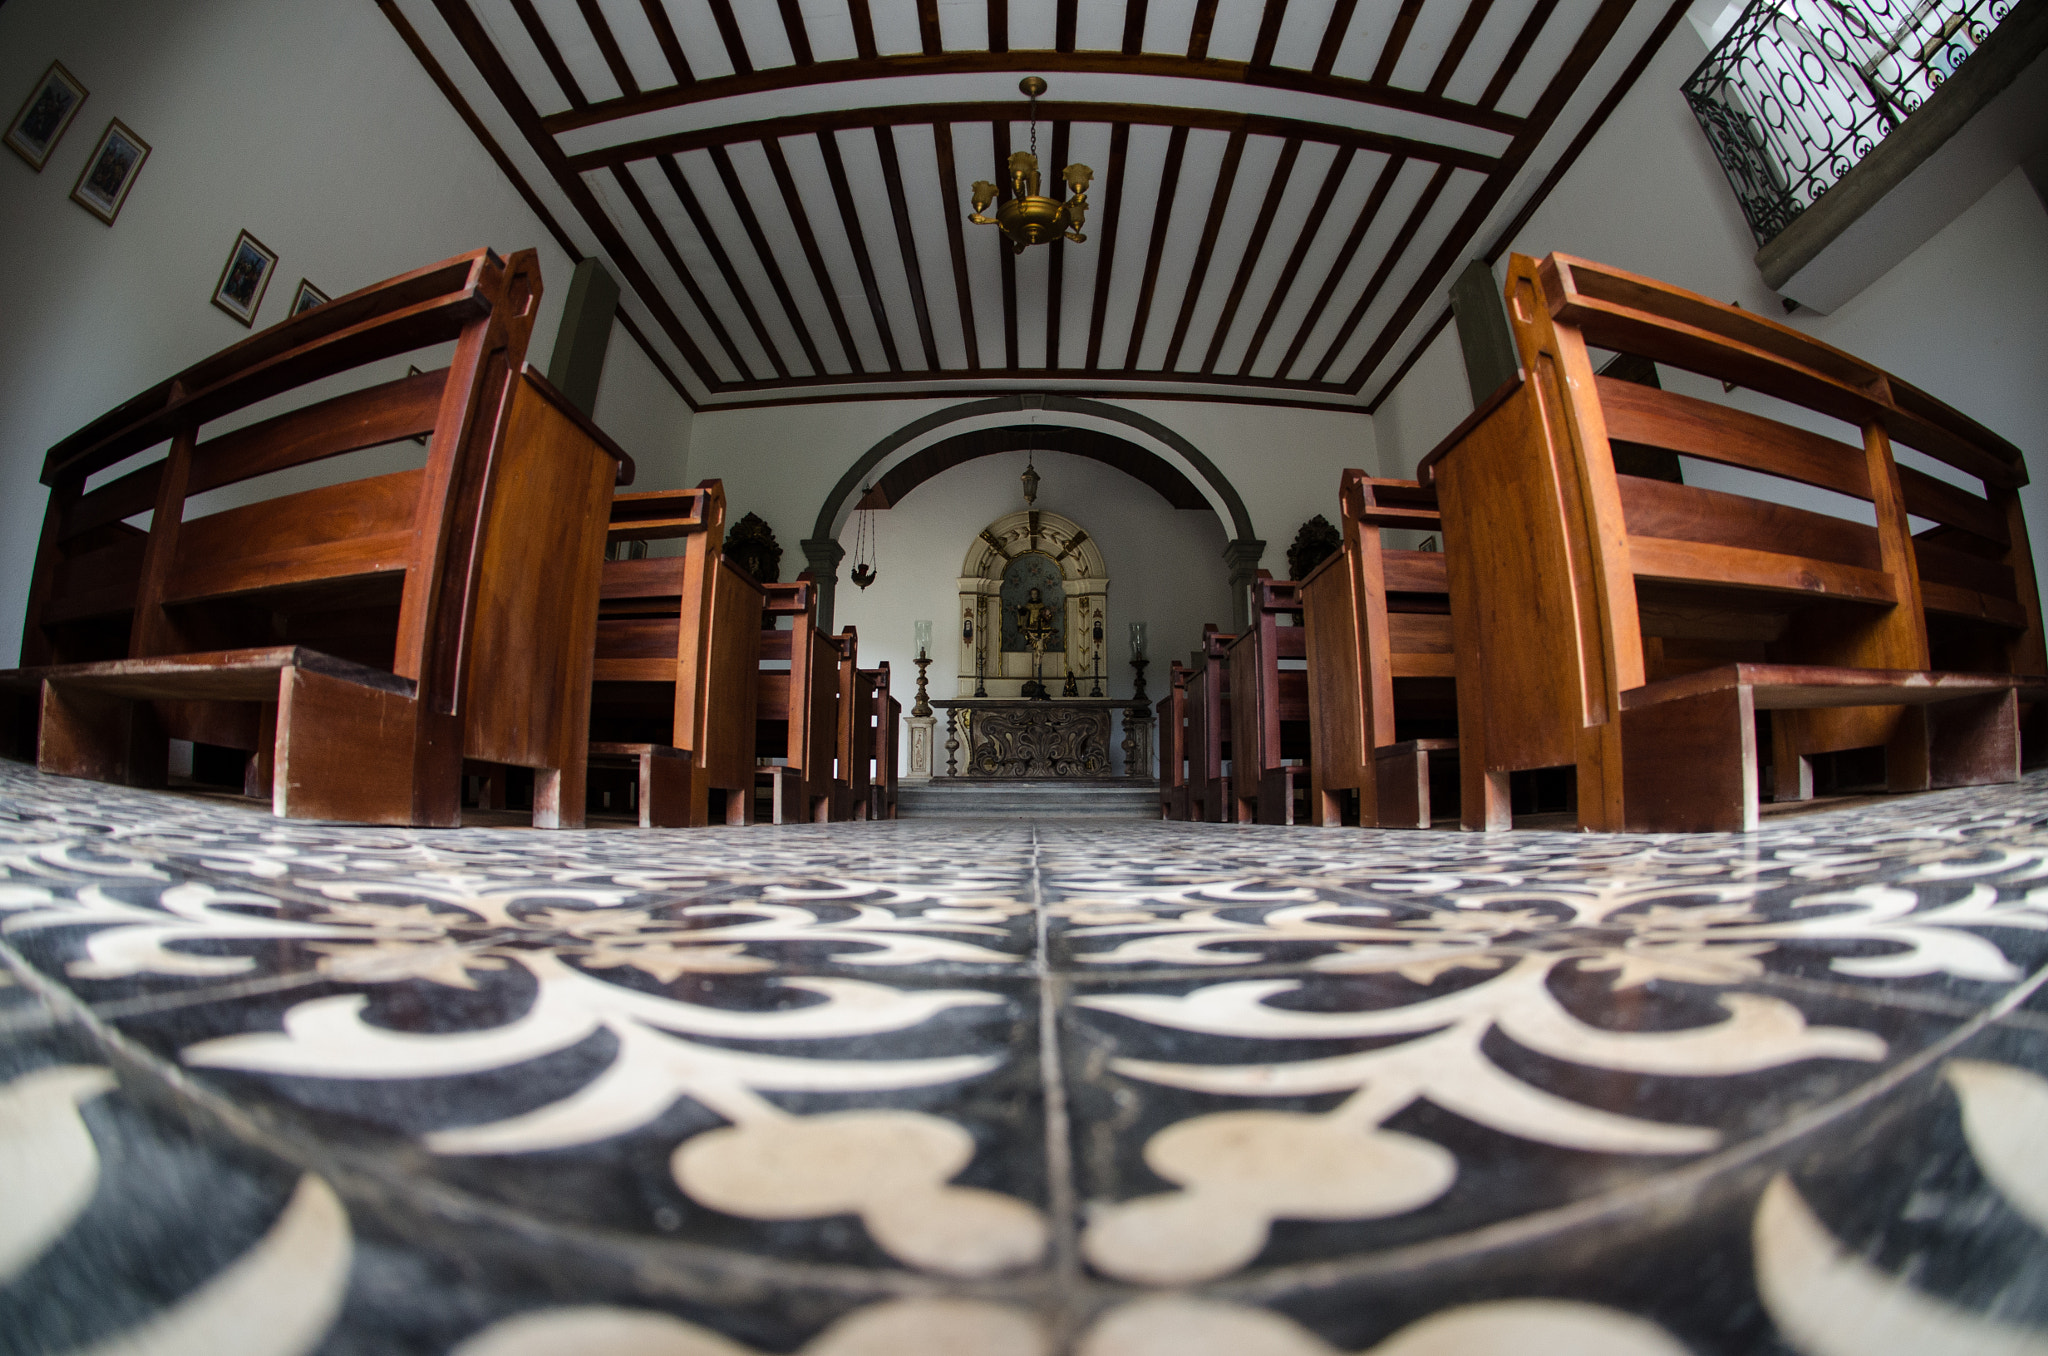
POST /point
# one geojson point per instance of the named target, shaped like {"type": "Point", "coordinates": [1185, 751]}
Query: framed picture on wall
{"type": "Point", "coordinates": [110, 172]}
{"type": "Point", "coordinates": [307, 297]}
{"type": "Point", "coordinates": [45, 115]}
{"type": "Point", "coordinates": [244, 278]}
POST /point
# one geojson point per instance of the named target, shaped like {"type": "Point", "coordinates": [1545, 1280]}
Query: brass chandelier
{"type": "Point", "coordinates": [1027, 219]}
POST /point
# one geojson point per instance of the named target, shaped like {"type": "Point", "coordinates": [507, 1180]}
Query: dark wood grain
{"type": "Point", "coordinates": [863, 29]}
{"type": "Point", "coordinates": [1269, 211]}
{"type": "Point", "coordinates": [664, 243]}
{"type": "Point", "coordinates": [1105, 235]}
{"type": "Point", "coordinates": [729, 34]}
{"type": "Point", "coordinates": [1312, 224]}
{"type": "Point", "coordinates": [1397, 41]}
{"type": "Point", "coordinates": [1198, 30]}
{"type": "Point", "coordinates": [1270, 20]}
{"type": "Point", "coordinates": [906, 243]}
{"type": "Point", "coordinates": [665, 38]}
{"type": "Point", "coordinates": [999, 133]}
{"type": "Point", "coordinates": [1367, 214]}
{"type": "Point", "coordinates": [1333, 35]}
{"type": "Point", "coordinates": [544, 42]}
{"type": "Point", "coordinates": [799, 35]}
{"type": "Point", "coordinates": [1461, 42]}
{"type": "Point", "coordinates": [1397, 249]}
{"type": "Point", "coordinates": [608, 46]}
{"type": "Point", "coordinates": [708, 237]}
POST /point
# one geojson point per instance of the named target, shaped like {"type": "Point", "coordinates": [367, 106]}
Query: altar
{"type": "Point", "coordinates": [1064, 738]}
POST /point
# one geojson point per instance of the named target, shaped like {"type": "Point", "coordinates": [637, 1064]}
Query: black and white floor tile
{"type": "Point", "coordinates": [1020, 1088]}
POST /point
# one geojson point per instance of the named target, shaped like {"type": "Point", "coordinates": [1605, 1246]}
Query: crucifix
{"type": "Point", "coordinates": [1035, 624]}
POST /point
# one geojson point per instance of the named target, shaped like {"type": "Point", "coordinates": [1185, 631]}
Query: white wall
{"type": "Point", "coordinates": [1165, 567]}
{"type": "Point", "coordinates": [781, 462]}
{"type": "Point", "coordinates": [1961, 317]}
{"type": "Point", "coordinates": [311, 125]}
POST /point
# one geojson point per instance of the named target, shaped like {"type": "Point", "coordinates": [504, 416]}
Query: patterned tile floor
{"type": "Point", "coordinates": [1019, 1088]}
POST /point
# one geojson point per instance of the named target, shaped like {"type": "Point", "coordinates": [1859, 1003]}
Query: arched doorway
{"type": "Point", "coordinates": [1141, 447]}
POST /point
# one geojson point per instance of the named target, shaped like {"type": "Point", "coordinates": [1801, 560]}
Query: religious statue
{"type": "Point", "coordinates": [1035, 623]}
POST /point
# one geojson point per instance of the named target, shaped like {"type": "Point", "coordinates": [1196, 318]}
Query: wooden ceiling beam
{"type": "Point", "coordinates": [490, 64]}
{"type": "Point", "coordinates": [743, 208]}
{"type": "Point", "coordinates": [1162, 217]}
{"type": "Point", "coordinates": [1056, 262]}
{"type": "Point", "coordinates": [550, 54]}
{"type": "Point", "coordinates": [1181, 119]}
{"type": "Point", "coordinates": [1198, 273]}
{"type": "Point", "coordinates": [1333, 36]}
{"type": "Point", "coordinates": [1461, 42]}
{"type": "Point", "coordinates": [1198, 31]}
{"type": "Point", "coordinates": [1066, 17]}
{"type": "Point", "coordinates": [928, 27]}
{"type": "Point", "coordinates": [999, 26]}
{"type": "Point", "coordinates": [1396, 249]}
{"type": "Point", "coordinates": [608, 46]}
{"type": "Point", "coordinates": [956, 238]}
{"type": "Point", "coordinates": [1397, 41]}
{"type": "Point", "coordinates": [799, 218]}
{"type": "Point", "coordinates": [1105, 233]}
{"type": "Point", "coordinates": [729, 33]}
{"type": "Point", "coordinates": [848, 207]}
{"type": "Point", "coordinates": [665, 38]}
{"type": "Point", "coordinates": [1270, 20]}
{"type": "Point", "coordinates": [793, 25]}
{"type": "Point", "coordinates": [1131, 62]}
{"type": "Point", "coordinates": [906, 242]}
{"type": "Point", "coordinates": [863, 29]}
{"type": "Point", "coordinates": [1366, 216]}
{"type": "Point", "coordinates": [1269, 209]}
{"type": "Point", "coordinates": [1518, 51]}
{"type": "Point", "coordinates": [680, 186]}
{"type": "Point", "coordinates": [1311, 225]}
{"type": "Point", "coordinates": [1134, 27]}
{"type": "Point", "coordinates": [667, 245]}
{"type": "Point", "coordinates": [1593, 40]}
{"type": "Point", "coordinates": [950, 376]}
{"type": "Point", "coordinates": [1000, 132]}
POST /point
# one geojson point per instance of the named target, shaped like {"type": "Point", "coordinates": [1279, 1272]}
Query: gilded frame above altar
{"type": "Point", "coordinates": [1031, 549]}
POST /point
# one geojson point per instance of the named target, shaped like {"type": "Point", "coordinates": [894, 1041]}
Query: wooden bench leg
{"type": "Point", "coordinates": [559, 793]}
{"type": "Point", "coordinates": [1690, 765]}
{"type": "Point", "coordinates": [352, 753]}
{"type": "Point", "coordinates": [665, 787]}
{"type": "Point", "coordinates": [1402, 782]}
{"type": "Point", "coordinates": [739, 806]}
{"type": "Point", "coordinates": [1974, 741]}
{"type": "Point", "coordinates": [106, 739]}
{"type": "Point", "coordinates": [260, 770]}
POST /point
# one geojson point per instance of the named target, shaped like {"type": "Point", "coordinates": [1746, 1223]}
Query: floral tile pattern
{"type": "Point", "coordinates": [1031, 1088]}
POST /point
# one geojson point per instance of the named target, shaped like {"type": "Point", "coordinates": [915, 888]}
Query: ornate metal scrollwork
{"type": "Point", "coordinates": [1038, 741]}
{"type": "Point", "coordinates": [1798, 91]}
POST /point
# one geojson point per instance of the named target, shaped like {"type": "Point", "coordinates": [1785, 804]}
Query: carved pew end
{"type": "Point", "coordinates": [1689, 749]}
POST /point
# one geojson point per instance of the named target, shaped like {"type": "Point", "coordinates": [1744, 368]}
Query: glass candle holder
{"type": "Point", "coordinates": [923, 634]}
{"type": "Point", "coordinates": [1137, 640]}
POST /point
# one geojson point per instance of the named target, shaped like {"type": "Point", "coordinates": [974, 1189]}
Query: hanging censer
{"type": "Point", "coordinates": [864, 572]}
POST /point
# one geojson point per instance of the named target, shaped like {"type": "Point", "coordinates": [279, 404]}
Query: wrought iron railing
{"type": "Point", "coordinates": [1798, 91]}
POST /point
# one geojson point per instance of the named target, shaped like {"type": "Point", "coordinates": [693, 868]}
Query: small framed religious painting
{"type": "Point", "coordinates": [244, 277]}
{"type": "Point", "coordinates": [307, 297]}
{"type": "Point", "coordinates": [50, 107]}
{"type": "Point", "coordinates": [110, 172]}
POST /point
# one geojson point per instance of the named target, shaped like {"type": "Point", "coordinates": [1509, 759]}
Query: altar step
{"type": "Point", "coordinates": [945, 799]}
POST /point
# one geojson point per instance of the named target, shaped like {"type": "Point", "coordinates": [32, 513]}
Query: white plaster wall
{"type": "Point", "coordinates": [781, 462]}
{"type": "Point", "coordinates": [1165, 568]}
{"type": "Point", "coordinates": [1962, 317]}
{"type": "Point", "coordinates": [311, 125]}
{"type": "Point", "coordinates": [642, 412]}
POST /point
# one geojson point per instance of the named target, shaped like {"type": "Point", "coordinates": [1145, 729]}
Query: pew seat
{"type": "Point", "coordinates": [663, 794]}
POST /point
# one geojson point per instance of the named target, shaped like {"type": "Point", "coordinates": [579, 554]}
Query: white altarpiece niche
{"type": "Point", "coordinates": [1018, 552]}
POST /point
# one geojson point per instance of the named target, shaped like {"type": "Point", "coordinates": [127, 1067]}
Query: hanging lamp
{"type": "Point", "coordinates": [864, 572]}
{"type": "Point", "coordinates": [1026, 218]}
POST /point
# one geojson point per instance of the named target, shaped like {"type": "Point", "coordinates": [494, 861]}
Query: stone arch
{"type": "Point", "coordinates": [1165, 455]}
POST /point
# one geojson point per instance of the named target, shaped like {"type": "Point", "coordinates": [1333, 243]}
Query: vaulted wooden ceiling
{"type": "Point", "coordinates": [1283, 187]}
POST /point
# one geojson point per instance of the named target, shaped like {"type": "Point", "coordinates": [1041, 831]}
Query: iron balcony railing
{"type": "Point", "coordinates": [1798, 91]}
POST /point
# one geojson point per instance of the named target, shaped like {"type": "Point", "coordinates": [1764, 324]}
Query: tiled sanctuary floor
{"type": "Point", "coordinates": [1020, 1088]}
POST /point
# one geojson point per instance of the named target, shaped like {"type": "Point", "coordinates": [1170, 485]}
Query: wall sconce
{"type": "Point", "coordinates": [967, 628]}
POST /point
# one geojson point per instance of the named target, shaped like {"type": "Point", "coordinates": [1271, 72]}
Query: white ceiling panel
{"type": "Point", "coordinates": [702, 283]}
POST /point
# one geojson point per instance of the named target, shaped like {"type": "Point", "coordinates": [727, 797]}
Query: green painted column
{"type": "Point", "coordinates": [577, 363]}
{"type": "Point", "coordinates": [1483, 334]}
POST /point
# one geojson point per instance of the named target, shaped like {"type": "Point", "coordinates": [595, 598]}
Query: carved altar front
{"type": "Point", "coordinates": [998, 737]}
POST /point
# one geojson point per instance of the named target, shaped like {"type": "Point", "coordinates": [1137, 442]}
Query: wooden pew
{"type": "Point", "coordinates": [1269, 711]}
{"type": "Point", "coordinates": [1173, 744]}
{"type": "Point", "coordinates": [355, 641]}
{"type": "Point", "coordinates": [1379, 661]}
{"type": "Point", "coordinates": [1630, 628]}
{"type": "Point", "coordinates": [797, 706]}
{"type": "Point", "coordinates": [854, 751]}
{"type": "Point", "coordinates": [883, 743]}
{"type": "Point", "coordinates": [1209, 733]}
{"type": "Point", "coordinates": [678, 646]}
